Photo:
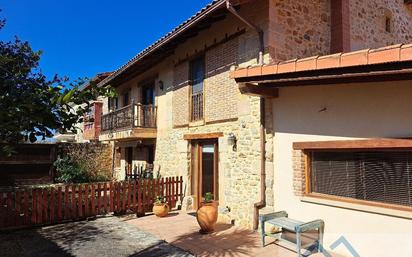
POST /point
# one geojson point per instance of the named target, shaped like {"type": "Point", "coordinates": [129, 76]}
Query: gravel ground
{"type": "Point", "coordinates": [105, 237]}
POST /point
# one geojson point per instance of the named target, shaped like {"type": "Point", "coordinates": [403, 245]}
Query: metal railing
{"type": "Point", "coordinates": [131, 116]}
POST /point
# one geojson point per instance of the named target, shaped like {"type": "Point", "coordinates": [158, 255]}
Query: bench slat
{"type": "Point", "coordinates": [285, 223]}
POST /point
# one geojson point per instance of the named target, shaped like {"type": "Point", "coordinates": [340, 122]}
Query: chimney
{"type": "Point", "coordinates": [340, 26]}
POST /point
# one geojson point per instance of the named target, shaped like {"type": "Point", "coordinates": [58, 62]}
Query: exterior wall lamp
{"type": "Point", "coordinates": [161, 85]}
{"type": "Point", "coordinates": [232, 140]}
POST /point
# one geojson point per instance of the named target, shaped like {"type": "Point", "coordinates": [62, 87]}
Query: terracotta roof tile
{"type": "Point", "coordinates": [287, 66]}
{"type": "Point", "coordinates": [271, 69]}
{"type": "Point", "coordinates": [384, 54]}
{"type": "Point", "coordinates": [354, 58]}
{"type": "Point", "coordinates": [309, 63]}
{"type": "Point", "coordinates": [393, 53]}
{"type": "Point", "coordinates": [254, 71]}
{"type": "Point", "coordinates": [406, 52]}
{"type": "Point", "coordinates": [329, 61]}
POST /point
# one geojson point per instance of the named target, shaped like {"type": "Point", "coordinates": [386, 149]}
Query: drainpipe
{"type": "Point", "coordinates": [258, 30]}
{"type": "Point", "coordinates": [262, 203]}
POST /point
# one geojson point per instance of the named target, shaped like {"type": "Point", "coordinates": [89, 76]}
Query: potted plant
{"type": "Point", "coordinates": [206, 215]}
{"type": "Point", "coordinates": [160, 206]}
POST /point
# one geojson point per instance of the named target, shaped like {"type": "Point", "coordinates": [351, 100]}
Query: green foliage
{"type": "Point", "coordinates": [208, 197]}
{"type": "Point", "coordinates": [160, 200]}
{"type": "Point", "coordinates": [70, 171]}
{"type": "Point", "coordinates": [32, 106]}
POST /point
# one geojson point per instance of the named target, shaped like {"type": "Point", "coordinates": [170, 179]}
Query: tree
{"type": "Point", "coordinates": [32, 106]}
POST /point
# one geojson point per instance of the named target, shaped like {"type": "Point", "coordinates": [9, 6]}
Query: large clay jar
{"type": "Point", "coordinates": [161, 210]}
{"type": "Point", "coordinates": [206, 216]}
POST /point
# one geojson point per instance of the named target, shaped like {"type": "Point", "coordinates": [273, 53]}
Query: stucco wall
{"type": "Point", "coordinates": [352, 112]}
{"type": "Point", "coordinates": [368, 23]}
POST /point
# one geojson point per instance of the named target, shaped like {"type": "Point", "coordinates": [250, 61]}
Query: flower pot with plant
{"type": "Point", "coordinates": [206, 215]}
{"type": "Point", "coordinates": [160, 207]}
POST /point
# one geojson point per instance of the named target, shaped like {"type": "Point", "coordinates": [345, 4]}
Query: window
{"type": "Point", "coordinates": [197, 76]}
{"type": "Point", "coordinates": [380, 176]}
{"type": "Point", "coordinates": [126, 99]}
{"type": "Point", "coordinates": [113, 103]}
{"type": "Point", "coordinates": [388, 24]}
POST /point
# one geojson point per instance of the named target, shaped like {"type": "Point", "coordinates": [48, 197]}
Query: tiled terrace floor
{"type": "Point", "coordinates": [181, 230]}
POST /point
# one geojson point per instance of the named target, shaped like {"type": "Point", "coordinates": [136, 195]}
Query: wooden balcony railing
{"type": "Point", "coordinates": [197, 106]}
{"type": "Point", "coordinates": [131, 116]}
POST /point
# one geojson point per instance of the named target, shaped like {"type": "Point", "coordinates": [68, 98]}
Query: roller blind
{"type": "Point", "coordinates": [380, 176]}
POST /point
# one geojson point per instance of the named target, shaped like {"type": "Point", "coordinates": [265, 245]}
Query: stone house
{"type": "Point", "coordinates": [206, 102]}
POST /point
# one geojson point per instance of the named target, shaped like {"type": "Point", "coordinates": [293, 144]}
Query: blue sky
{"type": "Point", "coordinates": [82, 38]}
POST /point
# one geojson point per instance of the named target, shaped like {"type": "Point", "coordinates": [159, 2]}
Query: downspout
{"type": "Point", "coordinates": [262, 203]}
{"type": "Point", "coordinates": [258, 30]}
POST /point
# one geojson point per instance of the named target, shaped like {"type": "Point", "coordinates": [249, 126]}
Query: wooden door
{"type": "Point", "coordinates": [205, 174]}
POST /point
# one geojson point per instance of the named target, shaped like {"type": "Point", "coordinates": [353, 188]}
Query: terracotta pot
{"type": "Point", "coordinates": [206, 216]}
{"type": "Point", "coordinates": [161, 210]}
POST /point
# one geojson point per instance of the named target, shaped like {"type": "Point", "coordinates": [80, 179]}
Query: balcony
{"type": "Point", "coordinates": [132, 121]}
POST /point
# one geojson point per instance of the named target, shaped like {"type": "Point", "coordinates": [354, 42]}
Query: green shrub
{"type": "Point", "coordinates": [70, 171]}
{"type": "Point", "coordinates": [208, 197]}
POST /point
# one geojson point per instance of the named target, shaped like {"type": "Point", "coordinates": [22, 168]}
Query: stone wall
{"type": "Point", "coordinates": [96, 156]}
{"type": "Point", "coordinates": [368, 23]}
{"type": "Point", "coordinates": [226, 111]}
{"type": "Point", "coordinates": [298, 29]}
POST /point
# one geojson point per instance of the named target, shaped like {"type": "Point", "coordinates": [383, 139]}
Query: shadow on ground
{"type": "Point", "coordinates": [29, 243]}
{"type": "Point", "coordinates": [106, 237]}
{"type": "Point", "coordinates": [225, 241]}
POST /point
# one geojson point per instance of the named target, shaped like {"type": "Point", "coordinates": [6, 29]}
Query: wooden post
{"type": "Point", "coordinates": [105, 201]}
{"type": "Point", "coordinates": [26, 207]}
{"type": "Point", "coordinates": [124, 195]}
{"type": "Point", "coordinates": [80, 201]}
{"type": "Point", "coordinates": [52, 205]}
{"type": "Point", "coordinates": [139, 197]}
{"type": "Point", "coordinates": [34, 207]}
{"type": "Point", "coordinates": [86, 201]}
{"type": "Point", "coordinates": [134, 196]}
{"type": "Point", "coordinates": [40, 206]}
{"type": "Point", "coordinates": [59, 204]}
{"type": "Point", "coordinates": [118, 197]}
{"type": "Point", "coordinates": [111, 194]}
{"type": "Point", "coordinates": [92, 199]}
{"type": "Point", "coordinates": [98, 198]}
{"type": "Point", "coordinates": [181, 190]}
{"type": "Point", "coordinates": [66, 202]}
{"type": "Point", "coordinates": [73, 205]}
{"type": "Point", "coordinates": [17, 209]}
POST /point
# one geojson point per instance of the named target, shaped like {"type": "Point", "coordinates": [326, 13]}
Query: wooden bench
{"type": "Point", "coordinates": [281, 221]}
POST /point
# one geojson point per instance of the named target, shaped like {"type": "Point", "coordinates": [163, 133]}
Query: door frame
{"type": "Point", "coordinates": [197, 171]}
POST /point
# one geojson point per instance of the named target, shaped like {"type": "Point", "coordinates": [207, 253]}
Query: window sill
{"type": "Point", "coordinates": [364, 207]}
{"type": "Point", "coordinates": [196, 123]}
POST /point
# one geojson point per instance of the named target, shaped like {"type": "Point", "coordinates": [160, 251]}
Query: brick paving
{"type": "Point", "coordinates": [181, 230]}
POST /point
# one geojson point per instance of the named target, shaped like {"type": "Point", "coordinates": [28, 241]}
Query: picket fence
{"type": "Point", "coordinates": [46, 206]}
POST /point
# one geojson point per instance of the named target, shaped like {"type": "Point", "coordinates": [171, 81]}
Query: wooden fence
{"type": "Point", "coordinates": [45, 206]}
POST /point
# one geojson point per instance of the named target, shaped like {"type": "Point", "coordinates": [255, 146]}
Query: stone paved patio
{"type": "Point", "coordinates": [106, 237]}
{"type": "Point", "coordinates": [181, 229]}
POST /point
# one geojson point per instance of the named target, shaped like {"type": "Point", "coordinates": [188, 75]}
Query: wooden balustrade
{"type": "Point", "coordinates": [197, 106]}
